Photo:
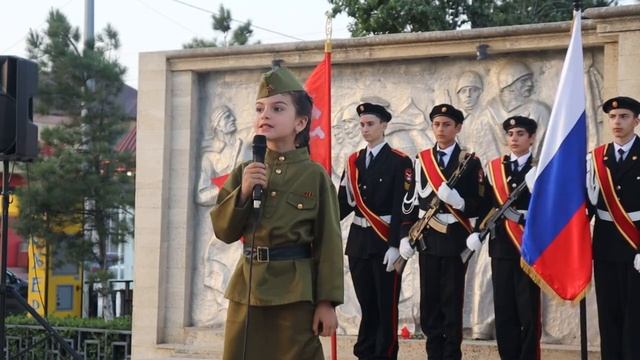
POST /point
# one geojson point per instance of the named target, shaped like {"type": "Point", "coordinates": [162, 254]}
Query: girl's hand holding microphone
{"type": "Point", "coordinates": [254, 174]}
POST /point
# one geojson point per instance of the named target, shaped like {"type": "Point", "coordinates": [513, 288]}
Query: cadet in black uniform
{"type": "Point", "coordinates": [613, 184]}
{"type": "Point", "coordinates": [373, 185]}
{"type": "Point", "coordinates": [441, 269]}
{"type": "Point", "coordinates": [516, 298]}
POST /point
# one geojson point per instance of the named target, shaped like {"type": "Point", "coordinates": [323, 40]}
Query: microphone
{"type": "Point", "coordinates": [259, 149]}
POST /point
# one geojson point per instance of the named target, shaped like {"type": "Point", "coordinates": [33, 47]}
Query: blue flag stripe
{"type": "Point", "coordinates": [563, 191]}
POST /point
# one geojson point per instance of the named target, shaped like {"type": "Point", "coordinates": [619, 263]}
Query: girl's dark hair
{"type": "Point", "coordinates": [304, 107]}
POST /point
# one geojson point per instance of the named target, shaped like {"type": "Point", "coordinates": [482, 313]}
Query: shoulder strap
{"type": "Point", "coordinates": [379, 225]}
{"type": "Point", "coordinates": [500, 185]}
{"type": "Point", "coordinates": [618, 213]}
{"type": "Point", "coordinates": [436, 178]}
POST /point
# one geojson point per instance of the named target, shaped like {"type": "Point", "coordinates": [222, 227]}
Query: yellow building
{"type": "Point", "coordinates": [57, 291]}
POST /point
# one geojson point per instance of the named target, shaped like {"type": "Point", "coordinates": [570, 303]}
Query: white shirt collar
{"type": "Point", "coordinates": [522, 159]}
{"type": "Point", "coordinates": [447, 152]}
{"type": "Point", "coordinates": [626, 147]}
{"type": "Point", "coordinates": [376, 149]}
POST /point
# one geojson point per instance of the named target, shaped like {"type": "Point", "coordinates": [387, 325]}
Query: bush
{"type": "Point", "coordinates": [121, 323]}
{"type": "Point", "coordinates": [100, 339]}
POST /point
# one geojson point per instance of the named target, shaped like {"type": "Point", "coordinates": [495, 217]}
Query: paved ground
{"type": "Point", "coordinates": [409, 350]}
{"type": "Point", "coordinates": [471, 350]}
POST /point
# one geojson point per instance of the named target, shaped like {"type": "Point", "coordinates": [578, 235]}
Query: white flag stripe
{"type": "Point", "coordinates": [568, 105]}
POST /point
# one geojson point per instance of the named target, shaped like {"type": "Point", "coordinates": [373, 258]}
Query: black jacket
{"type": "Point", "coordinates": [501, 246]}
{"type": "Point", "coordinates": [383, 186]}
{"type": "Point", "coordinates": [608, 242]}
{"type": "Point", "coordinates": [470, 187]}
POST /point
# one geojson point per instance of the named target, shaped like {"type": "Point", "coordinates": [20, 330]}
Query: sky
{"type": "Point", "coordinates": [157, 25]}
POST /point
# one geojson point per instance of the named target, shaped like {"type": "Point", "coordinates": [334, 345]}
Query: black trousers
{"type": "Point", "coordinates": [618, 299]}
{"type": "Point", "coordinates": [441, 300]}
{"type": "Point", "coordinates": [516, 301]}
{"type": "Point", "coordinates": [378, 292]}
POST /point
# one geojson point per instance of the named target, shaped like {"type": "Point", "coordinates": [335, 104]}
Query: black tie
{"type": "Point", "coordinates": [621, 156]}
{"type": "Point", "coordinates": [369, 159]}
{"type": "Point", "coordinates": [441, 155]}
{"type": "Point", "coordinates": [514, 166]}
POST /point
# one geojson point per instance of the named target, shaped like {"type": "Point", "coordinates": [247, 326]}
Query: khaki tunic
{"type": "Point", "coordinates": [299, 207]}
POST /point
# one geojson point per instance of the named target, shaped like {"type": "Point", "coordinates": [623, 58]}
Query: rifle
{"type": "Point", "coordinates": [429, 220]}
{"type": "Point", "coordinates": [491, 221]}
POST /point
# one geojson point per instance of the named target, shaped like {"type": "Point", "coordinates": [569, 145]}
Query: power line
{"type": "Point", "coordinates": [167, 17]}
{"type": "Point", "coordinates": [239, 21]}
{"type": "Point", "coordinates": [39, 26]}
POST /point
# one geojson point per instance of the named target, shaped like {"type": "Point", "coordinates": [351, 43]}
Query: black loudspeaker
{"type": "Point", "coordinates": [18, 85]}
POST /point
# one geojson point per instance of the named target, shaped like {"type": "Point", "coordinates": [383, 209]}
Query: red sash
{"type": "Point", "coordinates": [436, 178]}
{"type": "Point", "coordinates": [619, 215]}
{"type": "Point", "coordinates": [498, 178]}
{"type": "Point", "coordinates": [379, 225]}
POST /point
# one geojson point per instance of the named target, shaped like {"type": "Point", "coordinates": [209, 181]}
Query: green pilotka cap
{"type": "Point", "coordinates": [278, 81]}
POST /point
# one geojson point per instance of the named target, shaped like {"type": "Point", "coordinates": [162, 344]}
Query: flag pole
{"type": "Point", "coordinates": [584, 354]}
{"type": "Point", "coordinates": [328, 28]}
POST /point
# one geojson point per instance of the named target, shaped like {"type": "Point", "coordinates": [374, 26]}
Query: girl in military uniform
{"type": "Point", "coordinates": [297, 275]}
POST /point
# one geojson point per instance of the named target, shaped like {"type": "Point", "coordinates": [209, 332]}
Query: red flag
{"type": "Point", "coordinates": [318, 86]}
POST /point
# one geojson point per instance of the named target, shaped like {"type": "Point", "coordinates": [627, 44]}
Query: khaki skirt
{"type": "Point", "coordinates": [281, 332]}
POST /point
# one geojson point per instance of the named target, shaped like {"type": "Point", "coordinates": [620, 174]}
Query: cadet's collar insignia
{"type": "Point", "coordinates": [361, 108]}
{"type": "Point", "coordinates": [605, 158]}
{"type": "Point", "coordinates": [408, 177]}
{"type": "Point", "coordinates": [634, 157]}
{"type": "Point", "coordinates": [308, 194]}
{"type": "Point", "coordinates": [408, 174]}
{"type": "Point", "coordinates": [614, 104]}
{"type": "Point", "coordinates": [444, 109]}
{"type": "Point", "coordinates": [512, 122]}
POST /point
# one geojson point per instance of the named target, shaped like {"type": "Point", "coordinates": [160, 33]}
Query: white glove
{"type": "Point", "coordinates": [530, 178]}
{"type": "Point", "coordinates": [406, 250]}
{"type": "Point", "coordinates": [473, 242]}
{"type": "Point", "coordinates": [390, 257]}
{"type": "Point", "coordinates": [451, 196]}
{"type": "Point", "coordinates": [636, 262]}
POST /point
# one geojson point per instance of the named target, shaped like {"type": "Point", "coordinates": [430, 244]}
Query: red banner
{"type": "Point", "coordinates": [318, 86]}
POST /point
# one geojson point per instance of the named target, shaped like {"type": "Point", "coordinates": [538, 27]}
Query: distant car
{"type": "Point", "coordinates": [13, 306]}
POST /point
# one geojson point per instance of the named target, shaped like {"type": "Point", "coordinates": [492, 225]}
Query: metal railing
{"type": "Point", "coordinates": [121, 297]}
{"type": "Point", "coordinates": [31, 342]}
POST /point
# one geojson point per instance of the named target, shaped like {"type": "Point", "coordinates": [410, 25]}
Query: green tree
{"type": "Point", "coordinates": [77, 194]}
{"type": "Point", "coordinates": [396, 16]}
{"type": "Point", "coordinates": [221, 22]}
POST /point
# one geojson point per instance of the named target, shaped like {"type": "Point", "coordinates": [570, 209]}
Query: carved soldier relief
{"type": "Point", "coordinates": [487, 92]}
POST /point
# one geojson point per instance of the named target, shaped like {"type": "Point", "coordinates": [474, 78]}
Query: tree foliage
{"type": "Point", "coordinates": [396, 16]}
{"type": "Point", "coordinates": [221, 21]}
{"type": "Point", "coordinates": [78, 191]}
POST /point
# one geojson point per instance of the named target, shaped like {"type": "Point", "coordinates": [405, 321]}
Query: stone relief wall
{"type": "Point", "coordinates": [487, 91]}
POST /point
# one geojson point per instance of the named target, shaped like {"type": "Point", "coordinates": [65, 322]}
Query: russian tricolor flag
{"type": "Point", "coordinates": [556, 248]}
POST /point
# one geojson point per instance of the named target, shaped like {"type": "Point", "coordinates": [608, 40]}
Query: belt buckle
{"type": "Point", "coordinates": [261, 254]}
